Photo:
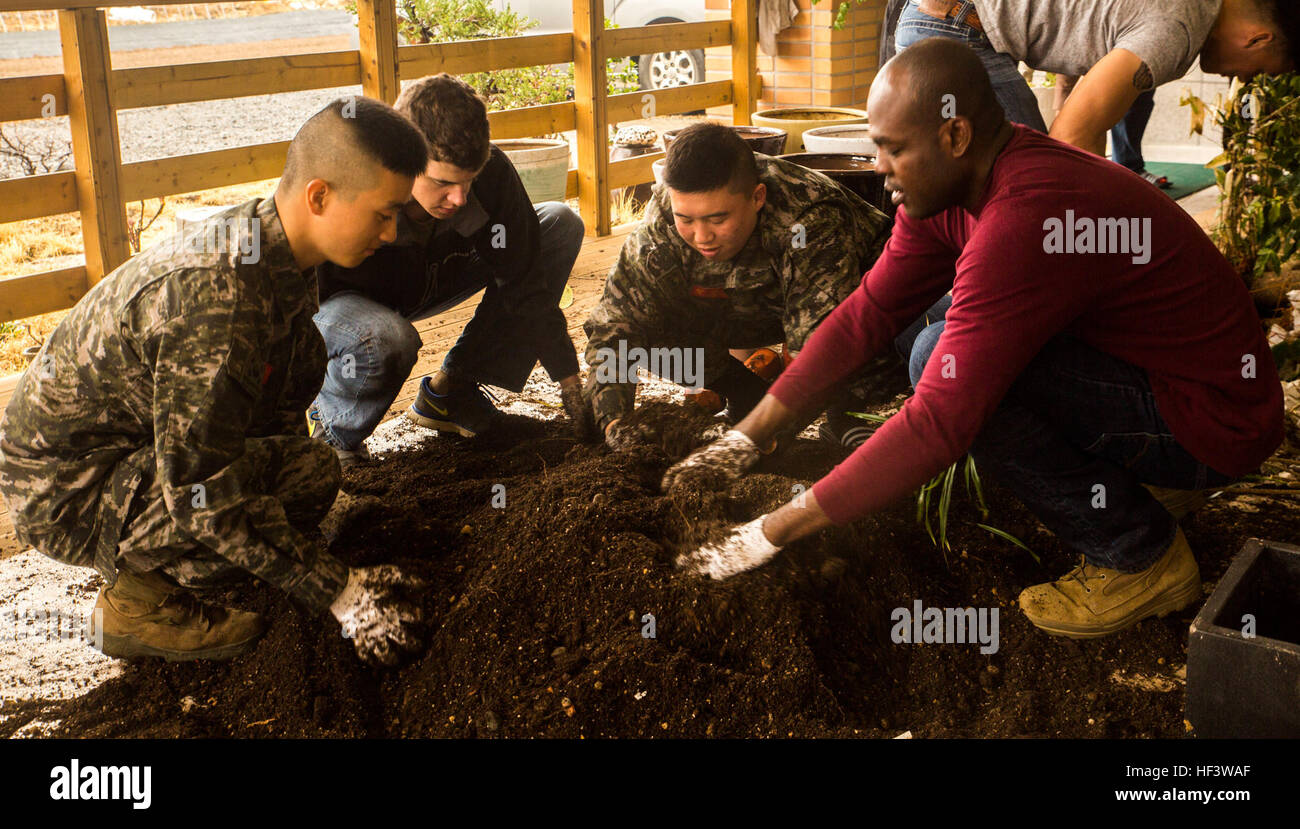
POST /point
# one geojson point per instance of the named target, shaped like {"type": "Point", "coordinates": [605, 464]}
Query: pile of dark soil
{"type": "Point", "coordinates": [560, 614]}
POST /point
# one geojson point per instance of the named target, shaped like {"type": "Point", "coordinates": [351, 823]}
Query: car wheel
{"type": "Point", "coordinates": [667, 69]}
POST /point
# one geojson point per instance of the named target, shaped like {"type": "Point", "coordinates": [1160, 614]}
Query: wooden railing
{"type": "Point", "coordinates": [90, 92]}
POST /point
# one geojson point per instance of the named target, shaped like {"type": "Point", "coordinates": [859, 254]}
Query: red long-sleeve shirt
{"type": "Point", "coordinates": [1184, 316]}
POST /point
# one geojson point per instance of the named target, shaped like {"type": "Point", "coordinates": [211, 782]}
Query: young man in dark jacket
{"type": "Point", "coordinates": [468, 227]}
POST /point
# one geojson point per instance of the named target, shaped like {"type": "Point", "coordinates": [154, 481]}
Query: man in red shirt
{"type": "Point", "coordinates": [1096, 341]}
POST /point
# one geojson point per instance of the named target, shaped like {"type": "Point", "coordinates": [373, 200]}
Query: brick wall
{"type": "Point", "coordinates": [815, 63]}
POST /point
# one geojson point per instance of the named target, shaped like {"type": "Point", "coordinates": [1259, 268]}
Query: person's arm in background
{"type": "Point", "coordinates": [511, 241]}
{"type": "Point", "coordinates": [208, 366]}
{"type": "Point", "coordinates": [1157, 49]}
{"type": "Point", "coordinates": [1100, 98]}
{"type": "Point", "coordinates": [1061, 91]}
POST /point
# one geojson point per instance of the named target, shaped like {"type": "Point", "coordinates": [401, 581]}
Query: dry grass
{"type": "Point", "coordinates": [54, 242]}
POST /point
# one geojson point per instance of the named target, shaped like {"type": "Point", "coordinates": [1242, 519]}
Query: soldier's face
{"type": "Point", "coordinates": [443, 189]}
{"type": "Point", "coordinates": [350, 229]}
{"type": "Point", "coordinates": [717, 223]}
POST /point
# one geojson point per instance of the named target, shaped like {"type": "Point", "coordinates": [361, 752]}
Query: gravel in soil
{"type": "Point", "coordinates": [559, 614]}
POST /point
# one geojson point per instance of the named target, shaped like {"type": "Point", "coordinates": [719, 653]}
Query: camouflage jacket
{"type": "Point", "coordinates": [813, 241]}
{"type": "Point", "coordinates": [162, 371]}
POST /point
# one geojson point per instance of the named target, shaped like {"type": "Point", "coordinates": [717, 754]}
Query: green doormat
{"type": "Point", "coordinates": [1185, 178]}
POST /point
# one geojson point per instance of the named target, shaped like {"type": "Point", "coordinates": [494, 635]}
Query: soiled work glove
{"type": "Point", "coordinates": [580, 414]}
{"type": "Point", "coordinates": [374, 615]}
{"type": "Point", "coordinates": [743, 549]}
{"type": "Point", "coordinates": [620, 436]}
{"type": "Point", "coordinates": [716, 466]}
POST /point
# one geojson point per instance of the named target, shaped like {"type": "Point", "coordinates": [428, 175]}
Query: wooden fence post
{"type": "Point", "coordinates": [744, 60]}
{"type": "Point", "coordinates": [377, 35]}
{"type": "Point", "coordinates": [591, 116]}
{"type": "Point", "coordinates": [95, 145]}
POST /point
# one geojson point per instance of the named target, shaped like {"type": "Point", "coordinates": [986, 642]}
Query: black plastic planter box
{"type": "Point", "coordinates": [1242, 686]}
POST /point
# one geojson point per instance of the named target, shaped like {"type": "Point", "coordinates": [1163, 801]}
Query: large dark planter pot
{"type": "Point", "coordinates": [856, 172]}
{"type": "Point", "coordinates": [1243, 650]}
{"type": "Point", "coordinates": [765, 140]}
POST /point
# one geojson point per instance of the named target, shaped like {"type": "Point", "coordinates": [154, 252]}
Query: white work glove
{"type": "Point", "coordinates": [716, 466]}
{"type": "Point", "coordinates": [374, 615]}
{"type": "Point", "coordinates": [621, 436]}
{"type": "Point", "coordinates": [744, 548]}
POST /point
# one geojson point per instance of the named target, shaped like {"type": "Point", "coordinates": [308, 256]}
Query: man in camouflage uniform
{"type": "Point", "coordinates": [160, 434]}
{"type": "Point", "coordinates": [731, 257]}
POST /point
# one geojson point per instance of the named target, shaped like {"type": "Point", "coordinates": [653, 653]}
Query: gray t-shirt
{"type": "Point", "coordinates": [1069, 36]}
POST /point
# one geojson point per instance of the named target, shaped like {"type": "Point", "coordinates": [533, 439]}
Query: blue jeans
{"type": "Point", "coordinates": [1074, 439]}
{"type": "Point", "coordinates": [372, 348]}
{"type": "Point", "coordinates": [1018, 101]}
{"type": "Point", "coordinates": [1126, 136]}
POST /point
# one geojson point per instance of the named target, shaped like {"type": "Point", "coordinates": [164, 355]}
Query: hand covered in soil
{"type": "Point", "coordinates": [745, 548]}
{"type": "Point", "coordinates": [375, 616]}
{"type": "Point", "coordinates": [347, 509]}
{"type": "Point", "coordinates": [580, 414]}
{"type": "Point", "coordinates": [620, 436]}
{"type": "Point", "coordinates": [716, 466]}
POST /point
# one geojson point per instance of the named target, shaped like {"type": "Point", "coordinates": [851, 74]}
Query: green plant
{"type": "Point", "coordinates": [442, 21]}
{"type": "Point", "coordinates": [841, 12]}
{"type": "Point", "coordinates": [1258, 227]}
{"type": "Point", "coordinates": [936, 496]}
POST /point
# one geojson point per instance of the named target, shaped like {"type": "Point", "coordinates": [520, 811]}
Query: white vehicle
{"type": "Point", "coordinates": [662, 69]}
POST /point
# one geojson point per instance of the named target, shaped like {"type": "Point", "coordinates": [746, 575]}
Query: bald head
{"type": "Point", "coordinates": [349, 142]}
{"type": "Point", "coordinates": [940, 78]}
{"type": "Point", "coordinates": [937, 125]}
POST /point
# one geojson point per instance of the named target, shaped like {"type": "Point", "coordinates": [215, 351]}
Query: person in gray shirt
{"type": "Point", "coordinates": [1120, 48]}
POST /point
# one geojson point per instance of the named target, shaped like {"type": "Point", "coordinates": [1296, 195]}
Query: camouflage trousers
{"type": "Point", "coordinates": [301, 473]}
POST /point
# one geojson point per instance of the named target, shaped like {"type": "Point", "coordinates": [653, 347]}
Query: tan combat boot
{"type": "Point", "coordinates": [1180, 502]}
{"type": "Point", "coordinates": [145, 614]}
{"type": "Point", "coordinates": [1094, 601]}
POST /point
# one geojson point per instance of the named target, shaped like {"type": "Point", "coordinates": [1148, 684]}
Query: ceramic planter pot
{"type": "Point", "coordinates": [855, 172]}
{"type": "Point", "coordinates": [765, 140]}
{"type": "Point", "coordinates": [796, 120]}
{"type": "Point", "coordinates": [840, 139]}
{"type": "Point", "coordinates": [657, 167]}
{"type": "Point", "coordinates": [542, 164]}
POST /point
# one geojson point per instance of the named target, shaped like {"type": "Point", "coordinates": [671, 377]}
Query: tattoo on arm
{"type": "Point", "coordinates": [1143, 79]}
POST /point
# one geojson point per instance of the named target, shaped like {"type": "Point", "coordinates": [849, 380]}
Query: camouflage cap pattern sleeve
{"type": "Point", "coordinates": [635, 307]}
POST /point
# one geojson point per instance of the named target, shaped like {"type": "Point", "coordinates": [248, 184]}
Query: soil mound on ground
{"type": "Point", "coordinates": [554, 610]}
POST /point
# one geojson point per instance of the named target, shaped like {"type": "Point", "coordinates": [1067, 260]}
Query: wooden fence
{"type": "Point", "coordinates": [91, 92]}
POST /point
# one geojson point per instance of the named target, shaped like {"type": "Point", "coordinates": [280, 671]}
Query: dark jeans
{"type": "Point", "coordinates": [1126, 136]}
{"type": "Point", "coordinates": [1074, 439]}
{"type": "Point", "coordinates": [372, 348]}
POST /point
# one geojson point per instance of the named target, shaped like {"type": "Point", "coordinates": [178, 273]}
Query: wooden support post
{"type": "Point", "coordinates": [744, 60]}
{"type": "Point", "coordinates": [96, 149]}
{"type": "Point", "coordinates": [591, 117]}
{"type": "Point", "coordinates": [377, 33]}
